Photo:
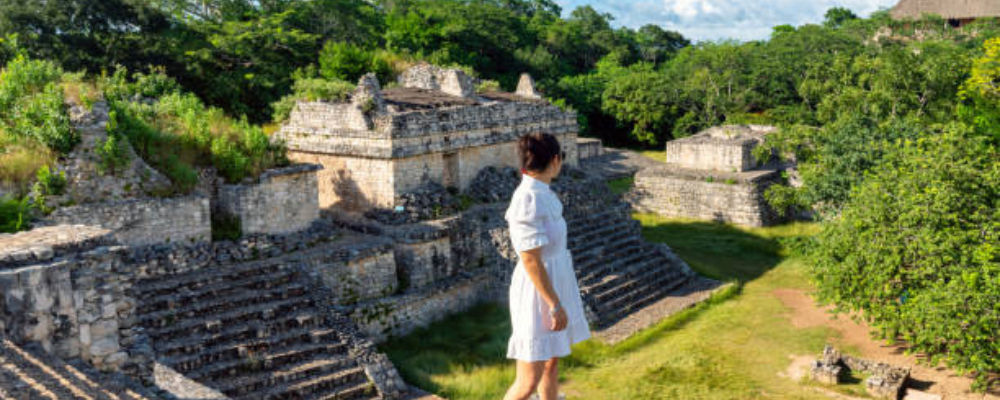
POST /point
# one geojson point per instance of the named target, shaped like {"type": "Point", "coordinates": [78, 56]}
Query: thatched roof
{"type": "Point", "coordinates": [951, 9]}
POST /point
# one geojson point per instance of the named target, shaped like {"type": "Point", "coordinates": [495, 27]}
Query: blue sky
{"type": "Point", "coordinates": [722, 19]}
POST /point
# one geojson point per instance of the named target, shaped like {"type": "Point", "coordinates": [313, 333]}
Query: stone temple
{"type": "Point", "coordinates": [433, 127]}
{"type": "Point", "coordinates": [712, 175]}
{"type": "Point", "coordinates": [134, 299]}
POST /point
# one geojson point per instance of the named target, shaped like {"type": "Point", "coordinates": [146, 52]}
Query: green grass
{"type": "Point", "coordinates": [731, 347]}
{"type": "Point", "coordinates": [621, 185]}
{"type": "Point", "coordinates": [658, 155]}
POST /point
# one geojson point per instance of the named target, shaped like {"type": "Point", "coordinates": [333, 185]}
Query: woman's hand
{"type": "Point", "coordinates": [558, 319]}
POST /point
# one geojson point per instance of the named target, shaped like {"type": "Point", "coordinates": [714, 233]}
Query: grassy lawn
{"type": "Point", "coordinates": [658, 155]}
{"type": "Point", "coordinates": [732, 347]}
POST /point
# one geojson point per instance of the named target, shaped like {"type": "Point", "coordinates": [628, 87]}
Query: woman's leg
{"type": "Point", "coordinates": [528, 375]}
{"type": "Point", "coordinates": [548, 387]}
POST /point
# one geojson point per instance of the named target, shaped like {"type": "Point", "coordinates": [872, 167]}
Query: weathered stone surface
{"type": "Point", "coordinates": [589, 147]}
{"type": "Point", "coordinates": [884, 381]}
{"type": "Point", "coordinates": [422, 136]}
{"type": "Point", "coordinates": [723, 148]}
{"type": "Point", "coordinates": [454, 82]}
{"type": "Point", "coordinates": [282, 200]}
{"type": "Point", "coordinates": [44, 244]}
{"type": "Point", "coordinates": [526, 87]}
{"type": "Point", "coordinates": [143, 221]}
{"type": "Point", "coordinates": [734, 197]}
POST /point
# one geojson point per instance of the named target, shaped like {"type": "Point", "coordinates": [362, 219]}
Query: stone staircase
{"type": "Point", "coordinates": [619, 273]}
{"type": "Point", "coordinates": [29, 373]}
{"type": "Point", "coordinates": [252, 331]}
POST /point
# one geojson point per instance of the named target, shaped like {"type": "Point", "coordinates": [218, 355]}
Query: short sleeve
{"type": "Point", "coordinates": [526, 219]}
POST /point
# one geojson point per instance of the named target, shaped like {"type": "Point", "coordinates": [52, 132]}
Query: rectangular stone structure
{"type": "Point", "coordinates": [589, 147]}
{"type": "Point", "coordinates": [724, 197]}
{"type": "Point", "coordinates": [282, 200]}
{"type": "Point", "coordinates": [723, 148]}
{"type": "Point", "coordinates": [385, 143]}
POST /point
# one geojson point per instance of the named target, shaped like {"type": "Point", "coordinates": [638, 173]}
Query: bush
{"type": "Point", "coordinates": [32, 104]}
{"type": "Point", "coordinates": [49, 184]}
{"type": "Point", "coordinates": [310, 88]}
{"type": "Point", "coordinates": [113, 154]}
{"type": "Point", "coordinates": [177, 132]}
{"type": "Point", "coordinates": [14, 214]}
{"type": "Point", "coordinates": [917, 250]}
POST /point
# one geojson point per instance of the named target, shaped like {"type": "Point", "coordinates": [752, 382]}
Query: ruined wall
{"type": "Point", "coordinates": [399, 315]}
{"type": "Point", "coordinates": [350, 183]}
{"type": "Point", "coordinates": [422, 263]}
{"type": "Point", "coordinates": [712, 155]}
{"type": "Point", "coordinates": [356, 279]}
{"type": "Point", "coordinates": [589, 147]}
{"type": "Point", "coordinates": [143, 221]}
{"type": "Point", "coordinates": [281, 201]}
{"type": "Point", "coordinates": [75, 300]}
{"type": "Point", "coordinates": [406, 134]}
{"type": "Point", "coordinates": [733, 197]}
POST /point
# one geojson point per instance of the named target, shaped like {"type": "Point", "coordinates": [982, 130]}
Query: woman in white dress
{"type": "Point", "coordinates": [545, 307]}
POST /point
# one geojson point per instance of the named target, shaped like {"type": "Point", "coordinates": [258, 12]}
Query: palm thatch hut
{"type": "Point", "coordinates": [957, 12]}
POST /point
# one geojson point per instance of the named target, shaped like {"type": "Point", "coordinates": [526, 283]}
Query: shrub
{"type": "Point", "coordinates": [310, 88]}
{"type": "Point", "coordinates": [113, 154]}
{"type": "Point", "coordinates": [917, 250]}
{"type": "Point", "coordinates": [48, 183]}
{"type": "Point", "coordinates": [14, 214]}
{"type": "Point", "coordinates": [32, 104]}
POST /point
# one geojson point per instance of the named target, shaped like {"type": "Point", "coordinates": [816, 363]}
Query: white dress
{"type": "Point", "coordinates": [535, 220]}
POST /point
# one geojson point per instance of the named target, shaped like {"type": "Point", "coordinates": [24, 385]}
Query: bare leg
{"type": "Point", "coordinates": [548, 388]}
{"type": "Point", "coordinates": [528, 375]}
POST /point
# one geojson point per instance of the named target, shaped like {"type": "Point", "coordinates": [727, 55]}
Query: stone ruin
{"type": "Point", "coordinates": [712, 175]}
{"type": "Point", "coordinates": [134, 288]}
{"type": "Point", "coordinates": [433, 128]}
{"type": "Point", "coordinates": [884, 381]}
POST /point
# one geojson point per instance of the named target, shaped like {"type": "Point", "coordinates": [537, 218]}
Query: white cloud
{"type": "Point", "coordinates": [723, 19]}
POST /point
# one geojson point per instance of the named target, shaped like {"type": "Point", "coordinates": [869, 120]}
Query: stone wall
{"type": "Point", "coordinates": [421, 264]}
{"type": "Point", "coordinates": [78, 304]}
{"type": "Point", "coordinates": [281, 201]}
{"type": "Point", "coordinates": [350, 183]}
{"type": "Point", "coordinates": [426, 76]}
{"type": "Point", "coordinates": [410, 133]}
{"type": "Point", "coordinates": [355, 279]}
{"type": "Point", "coordinates": [400, 315]}
{"type": "Point", "coordinates": [717, 196]}
{"type": "Point", "coordinates": [143, 221]}
{"type": "Point", "coordinates": [724, 148]}
{"type": "Point", "coordinates": [589, 147]}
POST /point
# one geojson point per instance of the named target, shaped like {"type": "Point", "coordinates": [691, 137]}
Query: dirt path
{"type": "Point", "coordinates": [937, 380]}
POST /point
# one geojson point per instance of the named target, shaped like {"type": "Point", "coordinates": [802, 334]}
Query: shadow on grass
{"type": "Point", "coordinates": [721, 251]}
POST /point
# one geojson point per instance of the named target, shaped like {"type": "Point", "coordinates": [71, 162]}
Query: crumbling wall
{"type": "Point", "coordinates": [734, 198]}
{"type": "Point", "coordinates": [281, 201]}
{"type": "Point", "coordinates": [143, 221]}
{"type": "Point", "coordinates": [76, 303]}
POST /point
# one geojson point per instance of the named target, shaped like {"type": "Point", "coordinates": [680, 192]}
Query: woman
{"type": "Point", "coordinates": [545, 306]}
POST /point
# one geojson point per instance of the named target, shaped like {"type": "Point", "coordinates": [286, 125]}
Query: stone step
{"type": "Point", "coordinates": [187, 308]}
{"type": "Point", "coordinates": [643, 295]}
{"type": "Point", "coordinates": [596, 268]}
{"type": "Point", "coordinates": [160, 286]}
{"type": "Point", "coordinates": [238, 332]}
{"type": "Point", "coordinates": [36, 384]}
{"type": "Point", "coordinates": [607, 234]}
{"type": "Point", "coordinates": [221, 355]}
{"type": "Point", "coordinates": [30, 373]}
{"type": "Point", "coordinates": [633, 264]}
{"type": "Point", "coordinates": [259, 312]}
{"type": "Point", "coordinates": [358, 391]}
{"type": "Point", "coordinates": [626, 283]}
{"type": "Point", "coordinates": [344, 383]}
{"type": "Point", "coordinates": [202, 290]}
{"type": "Point", "coordinates": [256, 382]}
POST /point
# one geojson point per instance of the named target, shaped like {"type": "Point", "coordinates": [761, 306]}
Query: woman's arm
{"type": "Point", "coordinates": [532, 260]}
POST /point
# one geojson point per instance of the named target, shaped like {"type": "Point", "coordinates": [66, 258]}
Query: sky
{"type": "Point", "coordinates": [722, 19]}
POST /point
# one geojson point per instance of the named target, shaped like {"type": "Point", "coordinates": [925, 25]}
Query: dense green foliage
{"type": "Point", "coordinates": [917, 248]}
{"type": "Point", "coordinates": [174, 131]}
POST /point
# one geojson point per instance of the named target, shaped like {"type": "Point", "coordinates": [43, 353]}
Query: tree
{"type": "Point", "coordinates": [657, 45]}
{"type": "Point", "coordinates": [836, 16]}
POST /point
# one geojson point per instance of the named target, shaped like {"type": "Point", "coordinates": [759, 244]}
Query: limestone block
{"type": "Point", "coordinates": [104, 347]}
{"type": "Point", "coordinates": [526, 87]}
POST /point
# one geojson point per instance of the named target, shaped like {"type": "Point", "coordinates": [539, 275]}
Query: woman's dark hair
{"type": "Point", "coordinates": [537, 150]}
